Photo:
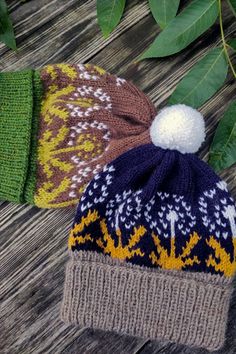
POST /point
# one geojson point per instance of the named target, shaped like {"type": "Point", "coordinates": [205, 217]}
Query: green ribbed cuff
{"type": "Point", "coordinates": [17, 134]}
{"type": "Point", "coordinates": [31, 180]}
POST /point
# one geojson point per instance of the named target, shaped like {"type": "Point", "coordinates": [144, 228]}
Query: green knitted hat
{"type": "Point", "coordinates": [60, 125]}
{"type": "Point", "coordinates": [20, 95]}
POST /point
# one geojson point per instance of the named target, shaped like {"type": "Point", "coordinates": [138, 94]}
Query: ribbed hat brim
{"type": "Point", "coordinates": [188, 308]}
{"type": "Point", "coordinates": [19, 97]}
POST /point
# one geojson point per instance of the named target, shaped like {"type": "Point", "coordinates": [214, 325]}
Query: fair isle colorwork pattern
{"type": "Point", "coordinates": [153, 250]}
{"type": "Point", "coordinates": [87, 119]}
{"type": "Point", "coordinates": [68, 141]}
{"type": "Point", "coordinates": [73, 120]}
{"type": "Point", "coordinates": [167, 231]}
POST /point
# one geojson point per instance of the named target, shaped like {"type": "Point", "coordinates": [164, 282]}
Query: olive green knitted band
{"type": "Point", "coordinates": [30, 185]}
{"type": "Point", "coordinates": [16, 128]}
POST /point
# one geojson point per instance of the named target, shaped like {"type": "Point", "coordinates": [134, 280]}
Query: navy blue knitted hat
{"type": "Point", "coordinates": [153, 244]}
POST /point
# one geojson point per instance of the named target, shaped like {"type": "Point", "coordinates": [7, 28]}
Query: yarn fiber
{"type": "Point", "coordinates": [153, 250]}
{"type": "Point", "coordinates": [20, 95]}
{"type": "Point", "coordinates": [175, 128]}
{"type": "Point", "coordinates": [168, 210]}
{"type": "Point", "coordinates": [60, 126]}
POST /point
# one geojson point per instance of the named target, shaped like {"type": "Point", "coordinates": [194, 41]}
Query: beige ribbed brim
{"type": "Point", "coordinates": [179, 306]}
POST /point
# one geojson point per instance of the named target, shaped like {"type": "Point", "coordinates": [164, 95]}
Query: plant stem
{"type": "Point", "coordinates": [225, 45]}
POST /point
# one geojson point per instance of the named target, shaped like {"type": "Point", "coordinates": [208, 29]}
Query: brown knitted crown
{"type": "Point", "coordinates": [60, 125]}
{"type": "Point", "coordinates": [88, 117]}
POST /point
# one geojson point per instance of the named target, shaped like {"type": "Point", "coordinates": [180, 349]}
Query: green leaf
{"type": "Point", "coordinates": [194, 20]}
{"type": "Point", "coordinates": [223, 148]}
{"type": "Point", "coordinates": [164, 11]}
{"type": "Point", "coordinates": [232, 4]}
{"type": "Point", "coordinates": [6, 28]}
{"type": "Point", "coordinates": [109, 13]}
{"type": "Point", "coordinates": [232, 43]}
{"type": "Point", "coordinates": [203, 80]}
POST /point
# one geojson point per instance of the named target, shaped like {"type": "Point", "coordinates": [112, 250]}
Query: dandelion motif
{"type": "Point", "coordinates": [230, 214]}
{"type": "Point", "coordinates": [218, 213]}
{"type": "Point", "coordinates": [124, 209]}
{"type": "Point", "coordinates": [114, 246]}
{"type": "Point", "coordinates": [97, 191]}
{"type": "Point", "coordinates": [118, 249]}
{"type": "Point", "coordinates": [222, 225]}
{"type": "Point", "coordinates": [173, 218]}
{"type": "Point", "coordinates": [76, 233]}
{"type": "Point", "coordinates": [169, 258]}
{"type": "Point", "coordinates": [172, 215]}
{"type": "Point", "coordinates": [222, 260]}
{"type": "Point", "coordinates": [87, 100]}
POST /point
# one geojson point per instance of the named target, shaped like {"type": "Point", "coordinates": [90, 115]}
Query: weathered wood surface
{"type": "Point", "coordinates": [33, 241]}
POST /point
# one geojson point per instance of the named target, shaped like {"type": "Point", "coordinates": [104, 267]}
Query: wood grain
{"type": "Point", "coordinates": [33, 241]}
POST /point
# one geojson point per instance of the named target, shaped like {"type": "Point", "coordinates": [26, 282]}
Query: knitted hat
{"type": "Point", "coordinates": [153, 244]}
{"type": "Point", "coordinates": [60, 125]}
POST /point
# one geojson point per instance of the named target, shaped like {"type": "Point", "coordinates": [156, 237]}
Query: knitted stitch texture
{"type": "Point", "coordinates": [31, 179]}
{"type": "Point", "coordinates": [17, 115]}
{"type": "Point", "coordinates": [153, 250]}
{"type": "Point", "coordinates": [60, 126]}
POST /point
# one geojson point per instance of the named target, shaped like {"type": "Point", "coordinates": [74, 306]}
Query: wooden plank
{"type": "Point", "coordinates": [61, 36]}
{"type": "Point", "coordinates": [158, 77]}
{"type": "Point", "coordinates": [33, 242]}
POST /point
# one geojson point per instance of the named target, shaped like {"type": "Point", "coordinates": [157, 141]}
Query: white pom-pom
{"type": "Point", "coordinates": [178, 127]}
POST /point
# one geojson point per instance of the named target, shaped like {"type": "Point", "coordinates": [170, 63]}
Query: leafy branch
{"type": "Point", "coordinates": [207, 76]}
{"type": "Point", "coordinates": [6, 29]}
{"type": "Point", "coordinates": [178, 31]}
{"type": "Point", "coordinates": [223, 38]}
